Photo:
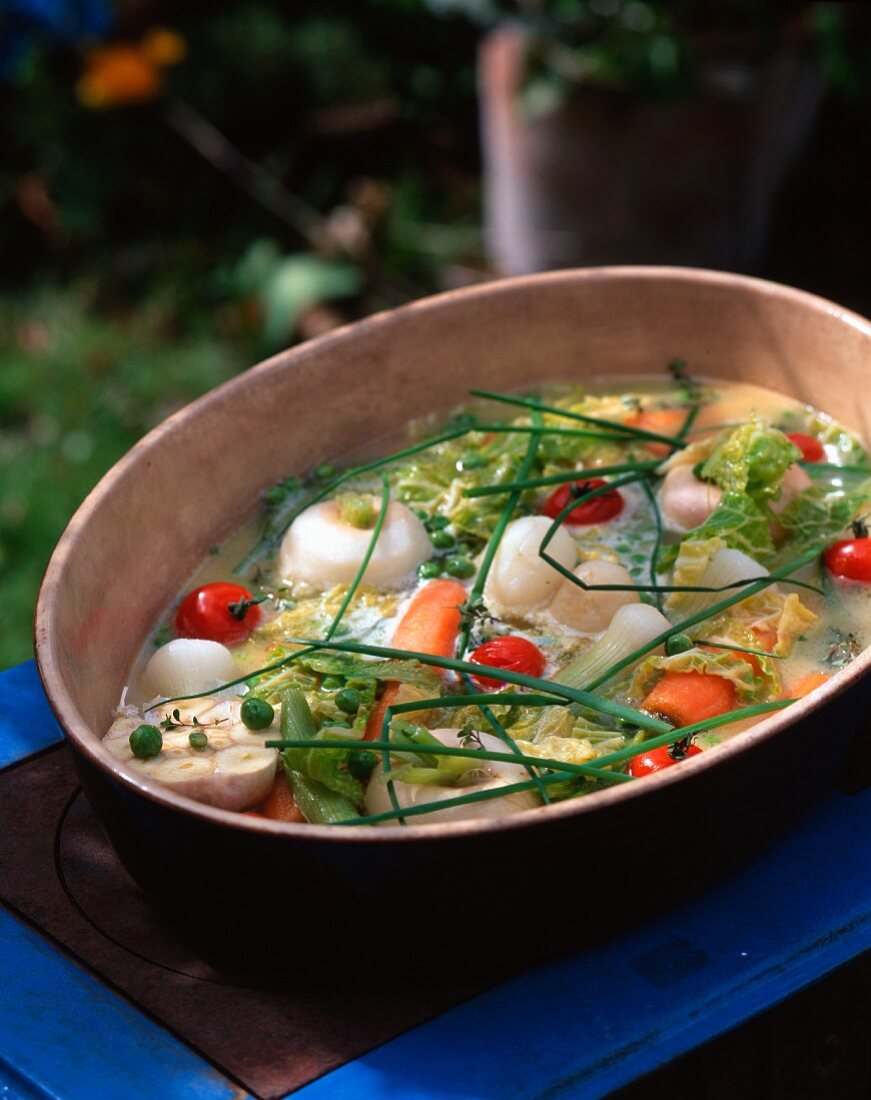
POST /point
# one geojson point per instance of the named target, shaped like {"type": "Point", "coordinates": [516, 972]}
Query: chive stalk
{"type": "Point", "coordinates": [558, 479]}
{"type": "Point", "coordinates": [679, 628]}
{"type": "Point", "coordinates": [627, 430]}
{"type": "Point", "coordinates": [561, 691]}
{"type": "Point", "coordinates": [493, 543]}
{"type": "Point", "coordinates": [591, 770]}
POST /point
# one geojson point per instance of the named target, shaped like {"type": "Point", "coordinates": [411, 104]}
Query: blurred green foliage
{"type": "Point", "coordinates": [304, 165]}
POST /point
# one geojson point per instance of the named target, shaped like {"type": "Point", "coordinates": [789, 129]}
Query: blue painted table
{"type": "Point", "coordinates": [578, 1028]}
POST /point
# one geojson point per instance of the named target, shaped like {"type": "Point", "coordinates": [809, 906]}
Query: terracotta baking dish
{"type": "Point", "coordinates": [141, 532]}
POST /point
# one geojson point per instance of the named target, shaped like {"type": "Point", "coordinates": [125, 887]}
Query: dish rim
{"type": "Point", "coordinates": [89, 743]}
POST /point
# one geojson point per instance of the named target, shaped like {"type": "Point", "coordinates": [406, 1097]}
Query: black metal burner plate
{"type": "Point", "coordinates": [58, 871]}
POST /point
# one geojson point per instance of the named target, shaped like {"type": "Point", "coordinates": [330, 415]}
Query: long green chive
{"type": "Point", "coordinates": [657, 539]}
{"type": "Point", "coordinates": [715, 609]}
{"type": "Point", "coordinates": [503, 733]}
{"type": "Point", "coordinates": [573, 433]}
{"type": "Point", "coordinates": [834, 468]}
{"type": "Point", "coordinates": [483, 704]}
{"type": "Point", "coordinates": [493, 544]}
{"type": "Point", "coordinates": [679, 734]}
{"type": "Point", "coordinates": [461, 800]}
{"type": "Point", "coordinates": [626, 429]}
{"type": "Point", "coordinates": [557, 479]}
{"type": "Point", "coordinates": [584, 698]}
{"type": "Point", "coordinates": [690, 420]}
{"type": "Point", "coordinates": [591, 770]}
{"type": "Point", "coordinates": [570, 576]}
{"type": "Point", "coordinates": [740, 649]}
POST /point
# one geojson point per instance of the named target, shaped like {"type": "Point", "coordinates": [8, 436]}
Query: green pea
{"type": "Point", "coordinates": [348, 700]}
{"type": "Point", "coordinates": [678, 643]}
{"type": "Point", "coordinates": [292, 484]}
{"type": "Point", "coordinates": [333, 683]}
{"type": "Point", "coordinates": [429, 569]}
{"type": "Point", "coordinates": [437, 523]}
{"type": "Point", "coordinates": [325, 471]}
{"type": "Point", "coordinates": [198, 740]}
{"type": "Point", "coordinates": [458, 566]}
{"type": "Point", "coordinates": [362, 764]}
{"type": "Point", "coordinates": [275, 495]}
{"type": "Point", "coordinates": [442, 540]}
{"type": "Point", "coordinates": [256, 713]}
{"type": "Point", "coordinates": [146, 742]}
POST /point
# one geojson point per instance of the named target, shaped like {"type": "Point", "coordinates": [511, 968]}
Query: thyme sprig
{"type": "Point", "coordinates": [173, 721]}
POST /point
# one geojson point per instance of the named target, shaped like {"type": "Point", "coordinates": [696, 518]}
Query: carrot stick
{"type": "Point", "coordinates": [430, 625]}
{"type": "Point", "coordinates": [688, 697]}
{"type": "Point", "coordinates": [279, 804]}
{"type": "Point", "coordinates": [806, 685]}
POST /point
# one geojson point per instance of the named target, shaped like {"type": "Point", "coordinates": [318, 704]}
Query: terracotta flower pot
{"type": "Point", "coordinates": [608, 178]}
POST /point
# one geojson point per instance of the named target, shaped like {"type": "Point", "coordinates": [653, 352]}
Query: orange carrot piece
{"type": "Point", "coordinates": [430, 625]}
{"type": "Point", "coordinates": [807, 684]}
{"type": "Point", "coordinates": [279, 804]}
{"type": "Point", "coordinates": [662, 421]}
{"type": "Point", "coordinates": [687, 697]}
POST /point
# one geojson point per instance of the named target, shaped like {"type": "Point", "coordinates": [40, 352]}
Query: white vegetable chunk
{"type": "Point", "coordinates": [520, 581]}
{"type": "Point", "coordinates": [685, 501]}
{"type": "Point", "coordinates": [321, 549]}
{"type": "Point", "coordinates": [591, 612]}
{"type": "Point", "coordinates": [233, 772]}
{"type": "Point", "coordinates": [186, 666]}
{"type": "Point", "coordinates": [493, 775]}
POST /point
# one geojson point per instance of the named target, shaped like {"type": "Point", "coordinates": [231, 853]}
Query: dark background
{"type": "Point", "coordinates": [249, 173]}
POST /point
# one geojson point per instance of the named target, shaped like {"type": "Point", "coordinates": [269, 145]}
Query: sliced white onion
{"type": "Point", "coordinates": [632, 627]}
{"type": "Point", "coordinates": [416, 794]}
{"type": "Point", "coordinates": [321, 549]}
{"type": "Point", "coordinates": [520, 581]}
{"type": "Point", "coordinates": [591, 611]}
{"type": "Point", "coordinates": [234, 771]}
{"type": "Point", "coordinates": [187, 666]}
{"type": "Point", "coordinates": [725, 568]}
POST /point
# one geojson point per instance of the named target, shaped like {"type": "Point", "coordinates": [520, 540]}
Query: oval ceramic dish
{"type": "Point", "coordinates": [477, 889]}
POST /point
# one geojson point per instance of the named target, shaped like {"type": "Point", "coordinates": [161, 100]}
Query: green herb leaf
{"type": "Point", "coordinates": [751, 459]}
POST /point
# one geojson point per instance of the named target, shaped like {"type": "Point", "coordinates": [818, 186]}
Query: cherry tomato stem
{"type": "Point", "coordinates": [218, 612]}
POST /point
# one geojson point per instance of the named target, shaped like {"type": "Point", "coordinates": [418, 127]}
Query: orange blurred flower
{"type": "Point", "coordinates": [163, 46]}
{"type": "Point", "coordinates": [127, 73]}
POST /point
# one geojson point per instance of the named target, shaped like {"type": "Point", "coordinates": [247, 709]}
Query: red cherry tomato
{"type": "Point", "coordinates": [657, 759]}
{"type": "Point", "coordinates": [850, 559]}
{"type": "Point", "coordinates": [811, 449]}
{"type": "Point", "coordinates": [218, 613]}
{"type": "Point", "coordinates": [511, 653]}
{"type": "Point", "coordinates": [598, 510]}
